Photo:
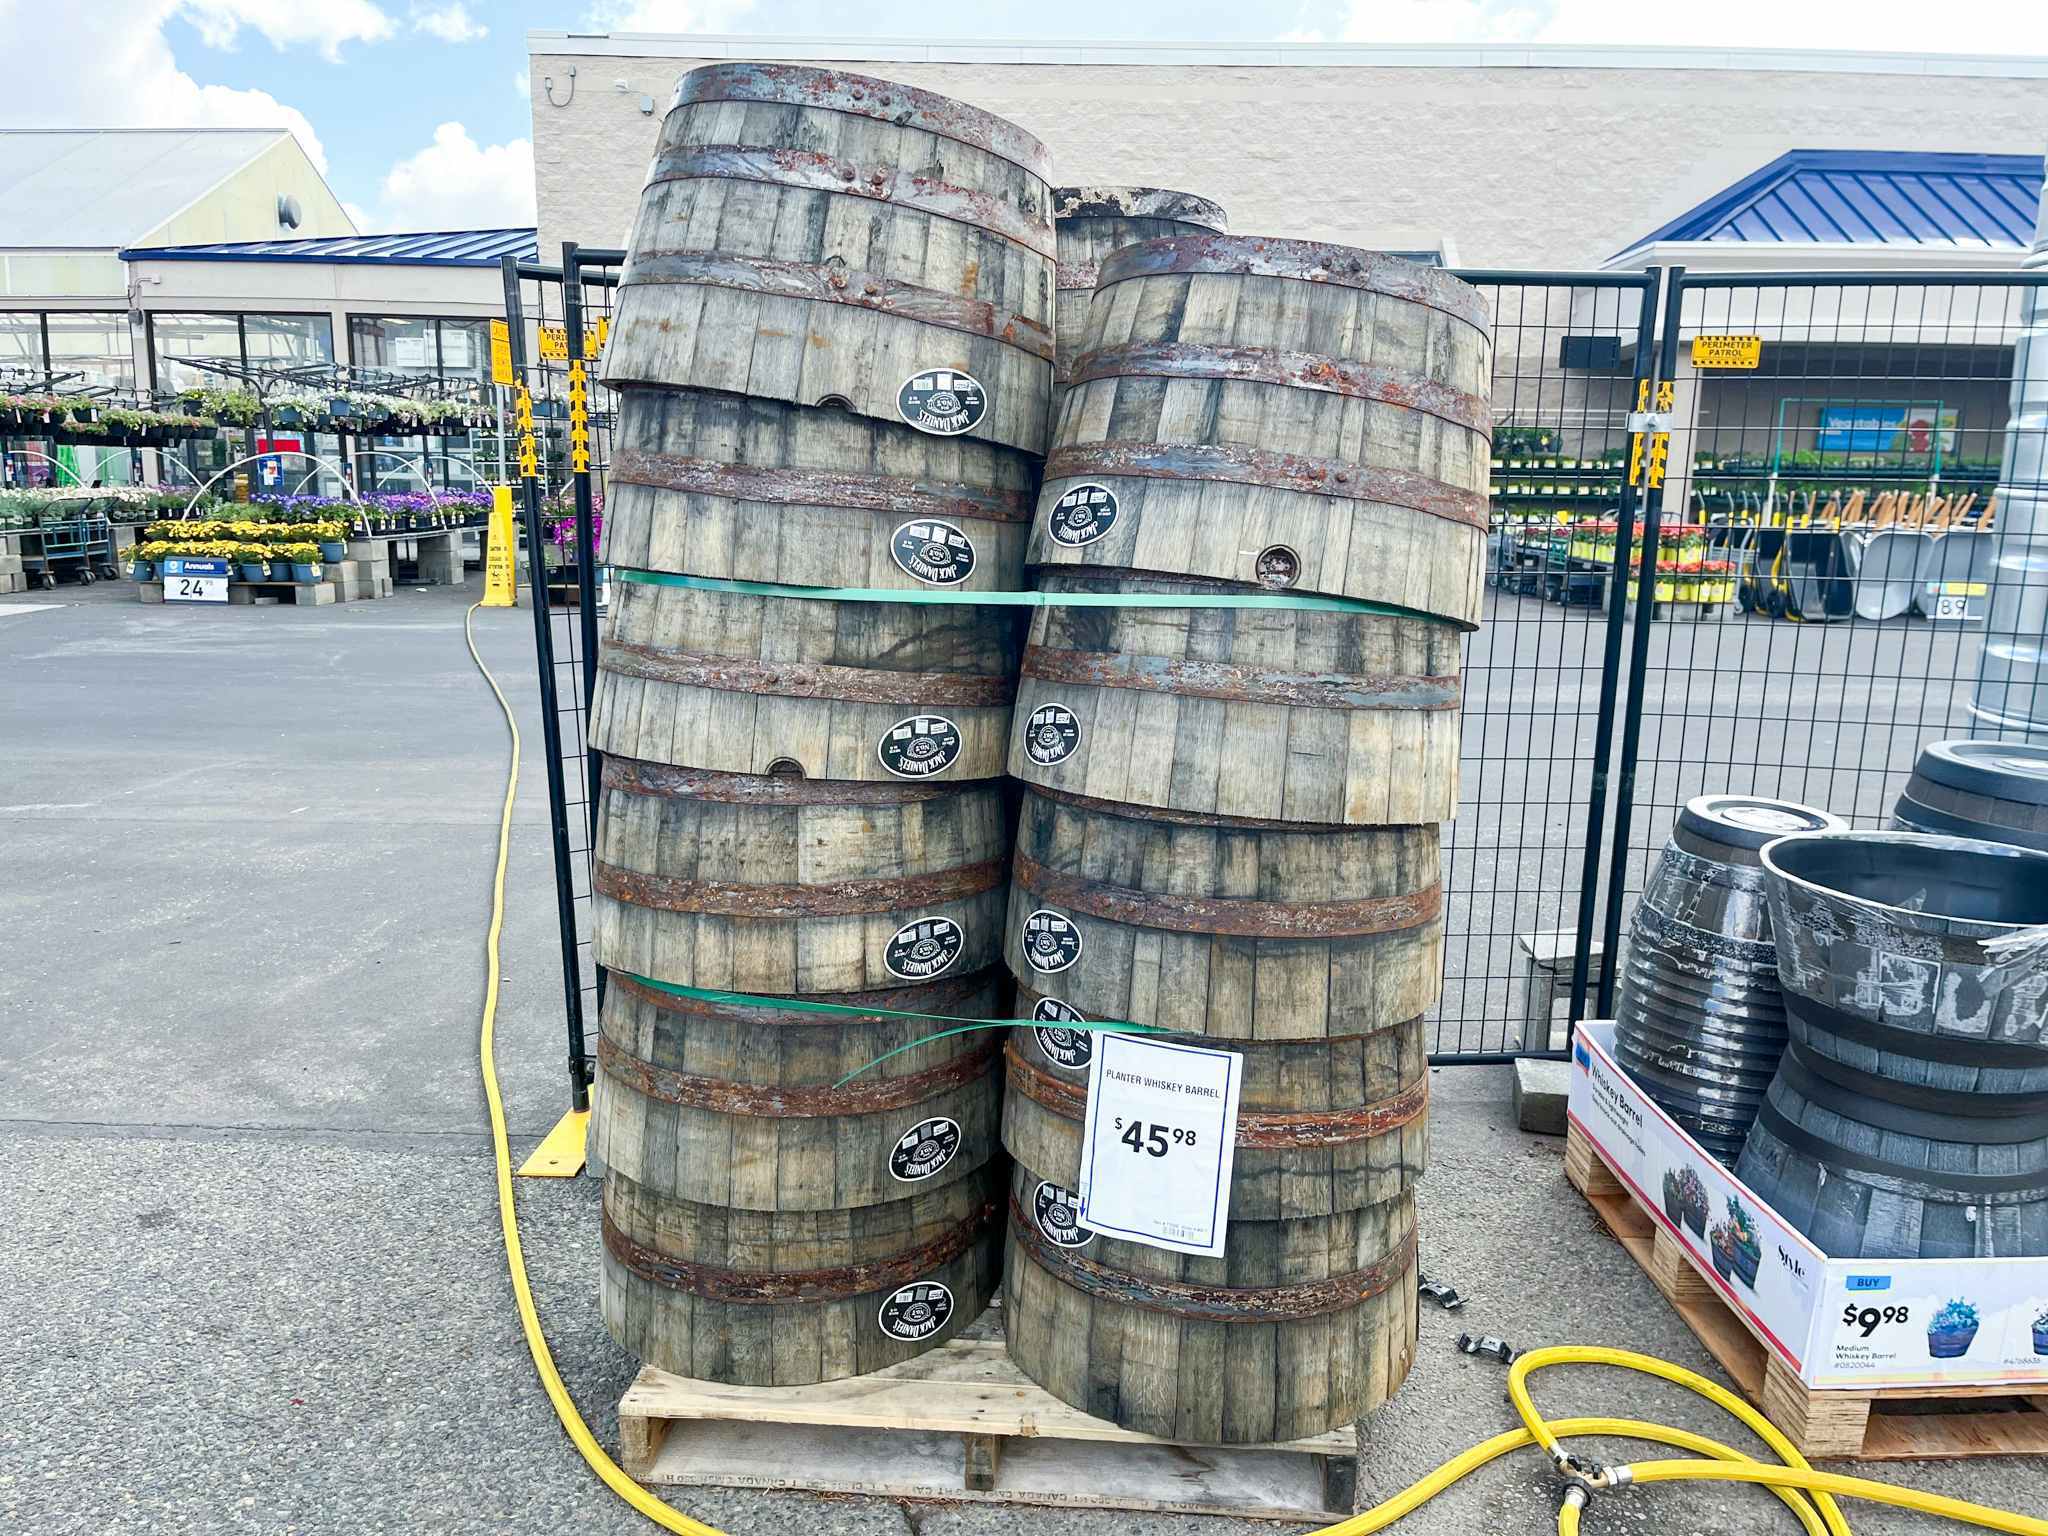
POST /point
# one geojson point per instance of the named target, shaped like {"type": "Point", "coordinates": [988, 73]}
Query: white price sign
{"type": "Point", "coordinates": [189, 580]}
{"type": "Point", "coordinates": [1159, 1141]}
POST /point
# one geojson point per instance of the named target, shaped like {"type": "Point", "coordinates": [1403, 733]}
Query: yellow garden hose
{"type": "Point", "coordinates": [1810, 1495]}
{"type": "Point", "coordinates": [579, 1433]}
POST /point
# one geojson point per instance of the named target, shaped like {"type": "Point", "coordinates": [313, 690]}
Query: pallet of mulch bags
{"type": "Point", "coordinates": [1878, 1424]}
{"type": "Point", "coordinates": [963, 1423]}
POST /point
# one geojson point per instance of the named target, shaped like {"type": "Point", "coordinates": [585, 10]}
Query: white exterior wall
{"type": "Point", "coordinates": [1558, 159]}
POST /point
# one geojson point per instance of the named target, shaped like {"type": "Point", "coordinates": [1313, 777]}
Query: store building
{"type": "Point", "coordinates": [413, 305]}
{"type": "Point", "coordinates": [1519, 157]}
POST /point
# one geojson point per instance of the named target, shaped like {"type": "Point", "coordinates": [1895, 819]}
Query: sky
{"type": "Point", "coordinates": [420, 111]}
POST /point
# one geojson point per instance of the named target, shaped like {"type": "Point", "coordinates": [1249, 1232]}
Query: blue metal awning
{"type": "Point", "coordinates": [1872, 197]}
{"type": "Point", "coordinates": [439, 248]}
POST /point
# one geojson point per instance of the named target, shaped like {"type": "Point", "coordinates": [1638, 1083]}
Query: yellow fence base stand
{"type": "Point", "coordinates": [560, 1154]}
{"type": "Point", "coordinates": [501, 563]}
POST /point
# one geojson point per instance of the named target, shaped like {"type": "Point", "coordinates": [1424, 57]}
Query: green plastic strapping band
{"type": "Point", "coordinates": [1301, 603]}
{"type": "Point", "coordinates": [804, 1005]}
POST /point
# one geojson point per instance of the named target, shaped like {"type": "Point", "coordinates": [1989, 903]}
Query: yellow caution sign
{"type": "Point", "coordinates": [501, 563]}
{"type": "Point", "coordinates": [1744, 352]}
{"type": "Point", "coordinates": [554, 340]}
{"type": "Point", "coordinates": [501, 353]}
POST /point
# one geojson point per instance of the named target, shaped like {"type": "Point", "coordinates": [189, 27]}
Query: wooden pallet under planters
{"type": "Point", "coordinates": [1881, 1424]}
{"type": "Point", "coordinates": [962, 1423]}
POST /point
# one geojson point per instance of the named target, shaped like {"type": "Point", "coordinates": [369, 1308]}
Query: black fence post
{"type": "Point", "coordinates": [550, 719]}
{"type": "Point", "coordinates": [1639, 655]}
{"type": "Point", "coordinates": [1610, 677]}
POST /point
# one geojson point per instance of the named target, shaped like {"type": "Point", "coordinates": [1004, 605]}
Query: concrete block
{"type": "Point", "coordinates": [440, 559]}
{"type": "Point", "coordinates": [148, 591]}
{"type": "Point", "coordinates": [1541, 1090]}
{"type": "Point", "coordinates": [310, 594]}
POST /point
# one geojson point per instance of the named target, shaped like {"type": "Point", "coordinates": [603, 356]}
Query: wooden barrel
{"type": "Point", "coordinates": [1989, 789]}
{"type": "Point", "coordinates": [742, 1105]}
{"type": "Point", "coordinates": [815, 236]}
{"type": "Point", "coordinates": [759, 883]}
{"type": "Point", "coordinates": [1300, 1327]}
{"type": "Point", "coordinates": [1278, 412]}
{"type": "Point", "coordinates": [744, 683]}
{"type": "Point", "coordinates": [759, 490]}
{"type": "Point", "coordinates": [1323, 1125]}
{"type": "Point", "coordinates": [781, 1299]}
{"type": "Point", "coordinates": [1090, 222]}
{"type": "Point", "coordinates": [1272, 714]}
{"type": "Point", "coordinates": [1233, 930]}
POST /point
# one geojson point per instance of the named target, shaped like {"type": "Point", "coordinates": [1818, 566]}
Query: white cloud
{"type": "Point", "coordinates": [359, 216]}
{"type": "Point", "coordinates": [667, 15]}
{"type": "Point", "coordinates": [451, 23]}
{"type": "Point", "coordinates": [1885, 26]}
{"type": "Point", "coordinates": [457, 183]}
{"type": "Point", "coordinates": [325, 24]}
{"type": "Point", "coordinates": [115, 70]}
{"type": "Point", "coordinates": [522, 84]}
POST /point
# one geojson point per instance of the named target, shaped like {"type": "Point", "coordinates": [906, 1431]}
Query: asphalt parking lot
{"type": "Point", "coordinates": [254, 1280]}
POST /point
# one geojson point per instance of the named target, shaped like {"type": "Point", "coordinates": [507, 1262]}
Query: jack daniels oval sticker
{"type": "Point", "coordinates": [1052, 735]}
{"type": "Point", "coordinates": [923, 949]}
{"type": "Point", "coordinates": [1082, 515]}
{"type": "Point", "coordinates": [942, 401]}
{"type": "Point", "coordinates": [924, 1149]}
{"type": "Point", "coordinates": [1059, 1217]}
{"type": "Point", "coordinates": [1063, 1047]}
{"type": "Point", "coordinates": [1051, 943]}
{"type": "Point", "coordinates": [919, 747]}
{"type": "Point", "coordinates": [934, 551]}
{"type": "Point", "coordinates": [916, 1311]}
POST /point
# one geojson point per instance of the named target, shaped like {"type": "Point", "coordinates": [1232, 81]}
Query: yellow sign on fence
{"type": "Point", "coordinates": [501, 565]}
{"type": "Point", "coordinates": [501, 353]}
{"type": "Point", "coordinates": [554, 340]}
{"type": "Point", "coordinates": [1727, 351]}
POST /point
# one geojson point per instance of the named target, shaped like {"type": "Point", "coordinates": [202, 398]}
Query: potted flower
{"type": "Point", "coordinates": [1674, 1207]}
{"type": "Point", "coordinates": [142, 562]}
{"type": "Point", "coordinates": [1721, 1245]}
{"type": "Point", "coordinates": [1749, 1252]}
{"type": "Point", "coordinates": [1694, 1196]}
{"type": "Point", "coordinates": [305, 562]}
{"type": "Point", "coordinates": [333, 540]}
{"type": "Point", "coordinates": [252, 562]}
{"type": "Point", "coordinates": [1950, 1333]}
{"type": "Point", "coordinates": [2041, 1331]}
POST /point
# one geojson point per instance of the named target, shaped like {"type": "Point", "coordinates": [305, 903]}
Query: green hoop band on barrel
{"type": "Point", "coordinates": [1301, 603]}
{"type": "Point", "coordinates": [803, 1005]}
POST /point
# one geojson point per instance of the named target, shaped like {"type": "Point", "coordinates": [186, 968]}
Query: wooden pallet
{"type": "Point", "coordinates": [1881, 1424]}
{"type": "Point", "coordinates": [962, 1423]}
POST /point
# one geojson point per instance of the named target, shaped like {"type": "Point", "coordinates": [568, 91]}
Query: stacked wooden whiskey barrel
{"type": "Point", "coordinates": [1229, 828]}
{"type": "Point", "coordinates": [833, 360]}
{"type": "Point", "coordinates": [1093, 222]}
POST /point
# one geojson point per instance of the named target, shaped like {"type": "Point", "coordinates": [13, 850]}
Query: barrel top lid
{"type": "Point", "coordinates": [1137, 203]}
{"type": "Point", "coordinates": [801, 85]}
{"type": "Point", "coordinates": [1918, 881]}
{"type": "Point", "coordinates": [1308, 261]}
{"type": "Point", "coordinates": [2000, 770]}
{"type": "Point", "coordinates": [1750, 821]}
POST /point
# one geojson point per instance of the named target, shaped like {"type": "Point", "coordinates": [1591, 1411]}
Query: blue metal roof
{"type": "Point", "coordinates": [1872, 197]}
{"type": "Point", "coordinates": [440, 248]}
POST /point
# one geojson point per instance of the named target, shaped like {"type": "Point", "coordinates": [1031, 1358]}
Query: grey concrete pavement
{"type": "Point", "coordinates": [251, 1277]}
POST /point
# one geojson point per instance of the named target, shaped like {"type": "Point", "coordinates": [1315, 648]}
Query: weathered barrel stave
{"type": "Point", "coordinates": [801, 245]}
{"type": "Point", "coordinates": [758, 1108]}
{"type": "Point", "coordinates": [1091, 223]}
{"type": "Point", "coordinates": [745, 683]}
{"type": "Point", "coordinates": [1216, 929]}
{"type": "Point", "coordinates": [787, 886]}
{"type": "Point", "coordinates": [1158, 1365]}
{"type": "Point", "coordinates": [733, 488]}
{"type": "Point", "coordinates": [845, 1265]}
{"type": "Point", "coordinates": [1273, 714]}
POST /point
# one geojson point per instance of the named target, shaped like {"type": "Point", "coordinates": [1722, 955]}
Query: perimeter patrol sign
{"type": "Point", "coordinates": [1744, 352]}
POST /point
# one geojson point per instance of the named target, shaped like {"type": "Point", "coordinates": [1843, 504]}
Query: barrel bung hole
{"type": "Point", "coordinates": [786, 768]}
{"type": "Point", "coordinates": [1277, 566]}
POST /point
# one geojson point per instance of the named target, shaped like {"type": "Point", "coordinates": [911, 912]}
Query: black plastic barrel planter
{"type": "Point", "coordinates": [1909, 1116]}
{"type": "Point", "coordinates": [1699, 1022]}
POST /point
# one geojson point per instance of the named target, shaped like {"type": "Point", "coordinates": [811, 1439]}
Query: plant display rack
{"type": "Point", "coordinates": [364, 574]}
{"type": "Point", "coordinates": [962, 1424]}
